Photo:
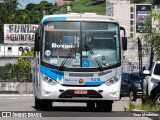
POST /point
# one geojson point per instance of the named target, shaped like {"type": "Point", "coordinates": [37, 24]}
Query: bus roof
{"type": "Point", "coordinates": [78, 17]}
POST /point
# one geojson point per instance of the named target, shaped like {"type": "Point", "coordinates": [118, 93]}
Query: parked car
{"type": "Point", "coordinates": [152, 81]}
{"type": "Point", "coordinates": [131, 85]}
{"type": "Point", "coordinates": [155, 93]}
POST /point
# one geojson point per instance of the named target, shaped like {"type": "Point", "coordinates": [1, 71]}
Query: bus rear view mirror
{"type": "Point", "coordinates": [37, 44]}
{"type": "Point", "coordinates": [124, 43]}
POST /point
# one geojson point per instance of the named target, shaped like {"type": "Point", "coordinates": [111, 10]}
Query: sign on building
{"type": "Point", "coordinates": [19, 33]}
{"type": "Point", "coordinates": [143, 20]}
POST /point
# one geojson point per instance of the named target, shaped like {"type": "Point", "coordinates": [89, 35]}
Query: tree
{"type": "Point", "coordinates": [7, 12]}
{"type": "Point", "coordinates": [30, 6]}
{"type": "Point", "coordinates": [23, 65]}
{"type": "Point", "coordinates": [137, 1]}
{"type": "Point", "coordinates": [153, 38]}
{"type": "Point", "coordinates": [155, 2]}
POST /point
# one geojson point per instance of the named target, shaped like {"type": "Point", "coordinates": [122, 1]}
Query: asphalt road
{"type": "Point", "coordinates": [23, 106]}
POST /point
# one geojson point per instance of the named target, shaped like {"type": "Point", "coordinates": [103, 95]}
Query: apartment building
{"type": "Point", "coordinates": [131, 17]}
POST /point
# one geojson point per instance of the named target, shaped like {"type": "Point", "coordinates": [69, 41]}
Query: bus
{"type": "Point", "coordinates": [78, 58]}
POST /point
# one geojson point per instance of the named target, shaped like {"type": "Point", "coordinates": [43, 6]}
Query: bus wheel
{"type": "Point", "coordinates": [104, 106]}
{"type": "Point", "coordinates": [91, 105]}
{"type": "Point", "coordinates": [37, 103]}
{"type": "Point", "coordinates": [46, 104]}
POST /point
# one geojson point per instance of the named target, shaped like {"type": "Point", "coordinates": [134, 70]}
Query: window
{"type": "Point", "coordinates": [131, 16]}
{"type": "Point", "coordinates": [9, 49]}
{"type": "Point", "coordinates": [157, 69]}
{"type": "Point", "coordinates": [131, 29]}
{"type": "Point", "coordinates": [131, 22]}
{"type": "Point", "coordinates": [131, 35]}
{"type": "Point", "coordinates": [132, 10]}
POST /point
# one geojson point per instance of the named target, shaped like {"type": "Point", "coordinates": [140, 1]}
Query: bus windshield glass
{"type": "Point", "coordinates": [81, 44]}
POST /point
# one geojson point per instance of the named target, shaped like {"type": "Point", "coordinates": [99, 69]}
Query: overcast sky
{"type": "Point", "coordinates": [25, 2]}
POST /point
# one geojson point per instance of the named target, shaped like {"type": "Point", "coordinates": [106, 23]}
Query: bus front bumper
{"type": "Point", "coordinates": [64, 93]}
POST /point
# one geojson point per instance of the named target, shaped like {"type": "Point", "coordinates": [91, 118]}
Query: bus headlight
{"type": "Point", "coordinates": [111, 81]}
{"type": "Point", "coordinates": [49, 80]}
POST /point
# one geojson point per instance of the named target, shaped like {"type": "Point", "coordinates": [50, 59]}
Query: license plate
{"type": "Point", "coordinates": [80, 92]}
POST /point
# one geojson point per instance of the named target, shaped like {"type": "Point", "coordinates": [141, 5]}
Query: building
{"type": "Point", "coordinates": [15, 39]}
{"type": "Point", "coordinates": [131, 17]}
{"type": "Point", "coordinates": [120, 9]}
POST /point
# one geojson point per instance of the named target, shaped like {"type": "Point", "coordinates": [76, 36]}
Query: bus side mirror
{"type": "Point", "coordinates": [124, 43]}
{"type": "Point", "coordinates": [37, 40]}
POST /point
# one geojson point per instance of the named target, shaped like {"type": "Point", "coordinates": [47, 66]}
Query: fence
{"type": "Point", "coordinates": [15, 75]}
{"type": "Point", "coordinates": [133, 66]}
{"type": "Point", "coordinates": [15, 69]}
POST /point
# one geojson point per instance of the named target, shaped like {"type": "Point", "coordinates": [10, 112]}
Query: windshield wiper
{"type": "Point", "coordinates": [94, 56]}
{"type": "Point", "coordinates": [62, 66]}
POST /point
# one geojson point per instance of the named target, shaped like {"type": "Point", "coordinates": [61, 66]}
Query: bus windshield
{"type": "Point", "coordinates": [81, 44]}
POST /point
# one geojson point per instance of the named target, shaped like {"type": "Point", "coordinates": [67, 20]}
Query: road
{"type": "Point", "coordinates": [75, 111]}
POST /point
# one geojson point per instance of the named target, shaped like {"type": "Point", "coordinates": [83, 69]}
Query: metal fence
{"type": "Point", "coordinates": [15, 69]}
{"type": "Point", "coordinates": [133, 66]}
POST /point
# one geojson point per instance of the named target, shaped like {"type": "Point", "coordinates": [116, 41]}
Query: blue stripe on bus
{"type": "Point", "coordinates": [52, 73]}
{"type": "Point", "coordinates": [94, 83]}
{"type": "Point", "coordinates": [55, 19]}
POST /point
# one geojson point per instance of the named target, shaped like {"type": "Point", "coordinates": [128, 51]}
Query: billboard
{"type": "Point", "coordinates": [19, 33]}
{"type": "Point", "coordinates": [143, 12]}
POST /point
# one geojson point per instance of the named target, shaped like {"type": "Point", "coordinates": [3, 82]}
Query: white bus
{"type": "Point", "coordinates": [78, 59]}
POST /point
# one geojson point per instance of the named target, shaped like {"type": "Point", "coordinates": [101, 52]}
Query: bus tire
{"type": "Point", "coordinates": [105, 106]}
{"type": "Point", "coordinates": [46, 104]}
{"type": "Point", "coordinates": [91, 105]}
{"type": "Point", "coordinates": [37, 103]}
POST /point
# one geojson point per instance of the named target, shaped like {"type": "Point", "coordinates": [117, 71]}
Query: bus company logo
{"type": "Point", "coordinates": [54, 45]}
{"type": "Point", "coordinates": [81, 81]}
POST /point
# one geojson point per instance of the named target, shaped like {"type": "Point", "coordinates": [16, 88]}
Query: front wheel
{"type": "Point", "coordinates": [46, 104]}
{"type": "Point", "coordinates": [104, 106]}
{"type": "Point", "coordinates": [37, 103]}
{"type": "Point", "coordinates": [157, 99]}
{"type": "Point", "coordinates": [131, 96]}
{"type": "Point", "coordinates": [91, 105]}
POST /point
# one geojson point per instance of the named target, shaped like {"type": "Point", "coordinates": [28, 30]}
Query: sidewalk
{"type": "Point", "coordinates": [8, 95]}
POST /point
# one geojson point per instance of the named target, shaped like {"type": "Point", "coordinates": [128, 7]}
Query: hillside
{"type": "Point", "coordinates": [81, 6]}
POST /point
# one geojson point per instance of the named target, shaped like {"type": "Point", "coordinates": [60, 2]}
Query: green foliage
{"type": "Point", "coordinates": [153, 38]}
{"type": "Point", "coordinates": [20, 71]}
{"type": "Point", "coordinates": [155, 2]}
{"type": "Point", "coordinates": [7, 12]}
{"type": "Point", "coordinates": [147, 106]}
{"type": "Point", "coordinates": [137, 1]}
{"type": "Point", "coordinates": [82, 6]}
{"type": "Point", "coordinates": [131, 106]}
{"type": "Point", "coordinates": [33, 13]}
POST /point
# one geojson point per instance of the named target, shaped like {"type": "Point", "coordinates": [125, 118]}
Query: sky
{"type": "Point", "coordinates": [25, 2]}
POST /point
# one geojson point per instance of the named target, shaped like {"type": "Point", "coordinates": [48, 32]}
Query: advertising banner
{"type": "Point", "coordinates": [142, 13]}
{"type": "Point", "coordinates": [19, 33]}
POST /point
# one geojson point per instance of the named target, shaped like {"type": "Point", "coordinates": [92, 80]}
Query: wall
{"type": "Point", "coordinates": [5, 50]}
{"type": "Point", "coordinates": [16, 87]}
